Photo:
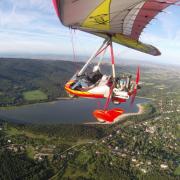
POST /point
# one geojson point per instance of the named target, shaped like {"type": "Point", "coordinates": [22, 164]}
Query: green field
{"type": "Point", "coordinates": [177, 171]}
{"type": "Point", "coordinates": [34, 95]}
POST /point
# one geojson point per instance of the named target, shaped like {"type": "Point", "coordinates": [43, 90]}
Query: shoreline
{"type": "Point", "coordinates": [50, 102]}
{"type": "Point", "coordinates": [31, 104]}
{"type": "Point", "coordinates": [118, 119]}
{"type": "Point", "coordinates": [121, 117]}
{"type": "Point", "coordinates": [152, 99]}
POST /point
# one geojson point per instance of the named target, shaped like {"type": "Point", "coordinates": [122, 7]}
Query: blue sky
{"type": "Point", "coordinates": [31, 27]}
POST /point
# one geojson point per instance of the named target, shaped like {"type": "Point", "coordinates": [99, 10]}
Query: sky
{"type": "Point", "coordinates": [30, 27]}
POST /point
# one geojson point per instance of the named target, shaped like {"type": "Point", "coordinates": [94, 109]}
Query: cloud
{"type": "Point", "coordinates": [20, 13]}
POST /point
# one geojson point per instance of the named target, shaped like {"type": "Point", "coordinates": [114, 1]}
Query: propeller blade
{"type": "Point", "coordinates": [109, 97]}
{"type": "Point", "coordinates": [135, 88]}
{"type": "Point", "coordinates": [133, 97]}
{"type": "Point", "coordinates": [137, 75]}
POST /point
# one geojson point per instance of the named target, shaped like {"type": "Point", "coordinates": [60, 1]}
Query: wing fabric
{"type": "Point", "coordinates": [123, 20]}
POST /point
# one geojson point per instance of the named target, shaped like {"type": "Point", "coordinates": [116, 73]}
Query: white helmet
{"type": "Point", "coordinates": [96, 68]}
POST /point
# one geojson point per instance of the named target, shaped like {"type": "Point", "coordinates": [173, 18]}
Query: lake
{"type": "Point", "coordinates": [76, 111]}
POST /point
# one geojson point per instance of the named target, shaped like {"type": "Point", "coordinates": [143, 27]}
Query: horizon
{"type": "Point", "coordinates": [82, 59]}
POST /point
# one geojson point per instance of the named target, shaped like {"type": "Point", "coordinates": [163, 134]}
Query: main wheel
{"type": "Point", "coordinates": [116, 102]}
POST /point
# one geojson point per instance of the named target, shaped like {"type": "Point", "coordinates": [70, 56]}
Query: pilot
{"type": "Point", "coordinates": [132, 86]}
{"type": "Point", "coordinates": [95, 75]}
{"type": "Point", "coordinates": [76, 85]}
{"type": "Point", "coordinates": [129, 78]}
{"type": "Point", "coordinates": [122, 83]}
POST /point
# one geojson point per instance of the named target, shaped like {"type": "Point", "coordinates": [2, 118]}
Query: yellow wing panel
{"type": "Point", "coordinates": [100, 18]}
{"type": "Point", "coordinates": [133, 44]}
{"type": "Point", "coordinates": [129, 42]}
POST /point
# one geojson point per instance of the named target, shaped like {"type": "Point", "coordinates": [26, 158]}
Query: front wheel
{"type": "Point", "coordinates": [72, 95]}
{"type": "Point", "coordinates": [116, 102]}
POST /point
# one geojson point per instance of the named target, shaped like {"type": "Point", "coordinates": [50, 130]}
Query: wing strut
{"type": "Point", "coordinates": [102, 48]}
{"type": "Point", "coordinates": [113, 75]}
{"type": "Point", "coordinates": [112, 60]}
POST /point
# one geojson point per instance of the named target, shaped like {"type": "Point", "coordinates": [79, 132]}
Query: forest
{"type": "Point", "coordinates": [28, 81]}
{"type": "Point", "coordinates": [20, 79]}
{"type": "Point", "coordinates": [139, 147]}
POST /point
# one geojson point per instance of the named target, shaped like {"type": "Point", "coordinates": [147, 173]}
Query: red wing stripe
{"type": "Point", "coordinates": [56, 4]}
{"type": "Point", "coordinates": [148, 11]}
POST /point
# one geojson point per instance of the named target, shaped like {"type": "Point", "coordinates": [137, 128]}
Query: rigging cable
{"type": "Point", "coordinates": [73, 47]}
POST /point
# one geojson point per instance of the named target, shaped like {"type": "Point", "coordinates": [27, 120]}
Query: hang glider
{"type": "Point", "coordinates": [122, 20]}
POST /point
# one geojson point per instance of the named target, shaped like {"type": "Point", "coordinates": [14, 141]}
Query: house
{"type": "Point", "coordinates": [116, 148]}
{"type": "Point", "coordinates": [143, 170]}
{"type": "Point", "coordinates": [133, 160]}
{"type": "Point", "coordinates": [150, 129]}
{"type": "Point", "coordinates": [164, 166]}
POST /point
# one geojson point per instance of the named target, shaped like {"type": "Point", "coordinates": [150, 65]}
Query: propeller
{"type": "Point", "coordinates": [136, 86]}
{"type": "Point", "coordinates": [109, 97]}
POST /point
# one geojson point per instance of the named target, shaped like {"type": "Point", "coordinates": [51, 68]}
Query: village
{"type": "Point", "coordinates": [140, 144]}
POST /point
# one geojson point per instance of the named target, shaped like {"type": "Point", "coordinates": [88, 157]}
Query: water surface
{"type": "Point", "coordinates": [63, 111]}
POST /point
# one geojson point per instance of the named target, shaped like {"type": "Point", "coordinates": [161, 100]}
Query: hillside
{"type": "Point", "coordinates": [24, 81]}
{"type": "Point", "coordinates": [18, 77]}
{"type": "Point", "coordinates": [141, 147]}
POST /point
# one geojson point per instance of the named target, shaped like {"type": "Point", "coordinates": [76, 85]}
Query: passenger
{"type": "Point", "coordinates": [132, 86]}
{"type": "Point", "coordinates": [118, 82]}
{"type": "Point", "coordinates": [95, 76]}
{"type": "Point", "coordinates": [128, 82]}
{"type": "Point", "coordinates": [122, 83]}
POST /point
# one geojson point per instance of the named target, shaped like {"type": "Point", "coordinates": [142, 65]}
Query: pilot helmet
{"type": "Point", "coordinates": [96, 68]}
